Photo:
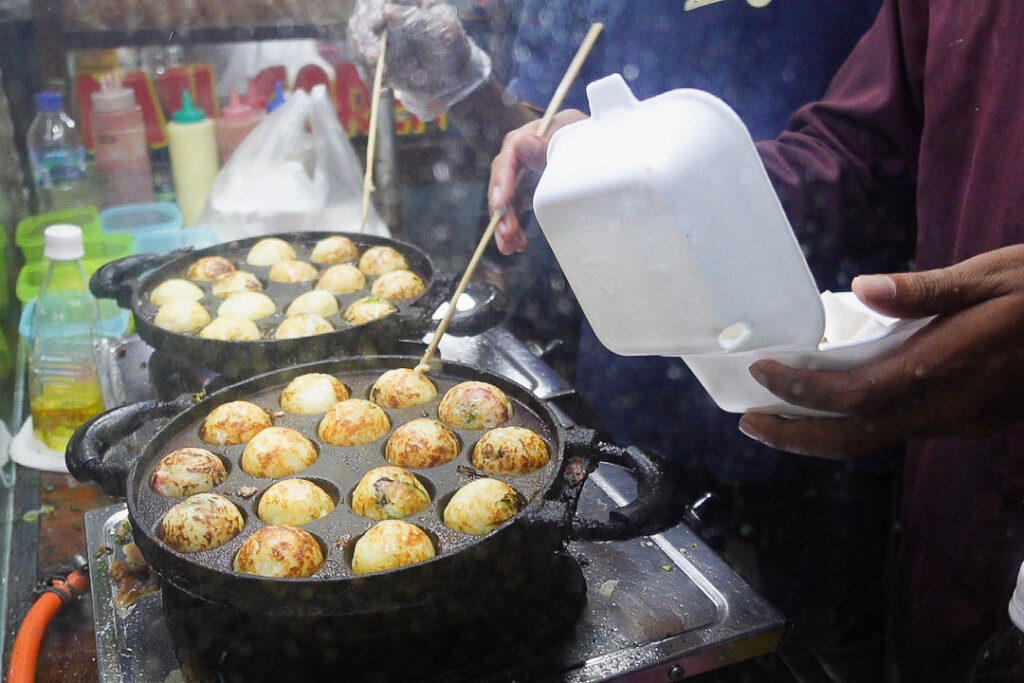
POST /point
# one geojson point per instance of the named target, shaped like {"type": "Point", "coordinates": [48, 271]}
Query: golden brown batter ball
{"type": "Point", "coordinates": [341, 279]}
{"type": "Point", "coordinates": [231, 328]}
{"type": "Point", "coordinates": [269, 251]}
{"type": "Point", "coordinates": [302, 325]}
{"type": "Point", "coordinates": [209, 268]}
{"type": "Point", "coordinates": [201, 522]}
{"type": "Point", "coordinates": [312, 394]}
{"type": "Point", "coordinates": [181, 315]}
{"type": "Point", "coordinates": [234, 423]}
{"type": "Point", "coordinates": [295, 502]}
{"type": "Point", "coordinates": [236, 282]}
{"type": "Point", "coordinates": [368, 309]}
{"type": "Point", "coordinates": [186, 471]}
{"type": "Point", "coordinates": [481, 506]}
{"type": "Point", "coordinates": [251, 305]}
{"type": "Point", "coordinates": [279, 551]}
{"type": "Point", "coordinates": [318, 301]}
{"type": "Point", "coordinates": [510, 450]}
{"type": "Point", "coordinates": [391, 544]}
{"type": "Point", "coordinates": [335, 249]}
{"type": "Point", "coordinates": [291, 270]}
{"type": "Point", "coordinates": [420, 443]}
{"type": "Point", "coordinates": [389, 493]}
{"type": "Point", "coordinates": [474, 405]}
{"type": "Point", "coordinates": [353, 422]}
{"type": "Point", "coordinates": [398, 284]}
{"type": "Point", "coordinates": [174, 290]}
{"type": "Point", "coordinates": [402, 388]}
{"type": "Point", "coordinates": [380, 260]}
{"type": "Point", "coordinates": [278, 452]}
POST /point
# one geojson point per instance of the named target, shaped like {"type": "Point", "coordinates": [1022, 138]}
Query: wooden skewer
{"type": "Point", "coordinates": [371, 138]}
{"type": "Point", "coordinates": [556, 103]}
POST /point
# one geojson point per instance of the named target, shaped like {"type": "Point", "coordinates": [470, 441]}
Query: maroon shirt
{"type": "Point", "coordinates": [924, 125]}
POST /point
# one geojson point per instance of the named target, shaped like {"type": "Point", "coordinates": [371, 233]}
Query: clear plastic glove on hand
{"type": "Point", "coordinates": [430, 60]}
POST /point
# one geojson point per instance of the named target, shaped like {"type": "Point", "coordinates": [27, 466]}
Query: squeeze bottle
{"type": "Point", "coordinates": [64, 386]}
{"type": "Point", "coordinates": [235, 122]}
{"type": "Point", "coordinates": [57, 156]}
{"type": "Point", "coordinates": [122, 156]}
{"type": "Point", "coordinates": [193, 147]}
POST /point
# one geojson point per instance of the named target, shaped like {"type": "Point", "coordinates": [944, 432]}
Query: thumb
{"type": "Point", "coordinates": [929, 292]}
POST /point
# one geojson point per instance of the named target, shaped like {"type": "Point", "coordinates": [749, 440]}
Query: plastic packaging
{"type": "Point", "coordinates": [236, 121]}
{"type": "Point", "coordinates": [57, 156]}
{"type": "Point", "coordinates": [673, 239]}
{"type": "Point", "coordinates": [193, 146]}
{"type": "Point", "coordinates": [64, 385]}
{"type": "Point", "coordinates": [122, 155]}
{"type": "Point", "coordinates": [1001, 659]}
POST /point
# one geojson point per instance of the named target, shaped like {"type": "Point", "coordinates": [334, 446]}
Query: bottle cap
{"type": "Point", "coordinates": [63, 243]}
{"type": "Point", "coordinates": [1017, 601]}
{"type": "Point", "coordinates": [253, 97]}
{"type": "Point", "coordinates": [49, 101]}
{"type": "Point", "coordinates": [237, 109]}
{"type": "Point", "coordinates": [189, 112]}
{"type": "Point", "coordinates": [278, 97]}
{"type": "Point", "coordinates": [112, 96]}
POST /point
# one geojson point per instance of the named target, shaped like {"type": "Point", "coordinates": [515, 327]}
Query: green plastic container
{"type": "Point", "coordinates": [30, 279]}
{"type": "Point", "coordinates": [5, 295]}
{"type": "Point", "coordinates": [98, 246]}
{"type": "Point", "coordinates": [31, 229]}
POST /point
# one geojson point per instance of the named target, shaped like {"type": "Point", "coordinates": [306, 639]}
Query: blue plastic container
{"type": "Point", "coordinates": [113, 320]}
{"type": "Point", "coordinates": [138, 219]}
{"type": "Point", "coordinates": [166, 241]}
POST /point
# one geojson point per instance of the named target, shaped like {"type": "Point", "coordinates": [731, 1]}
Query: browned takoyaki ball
{"type": "Point", "coordinates": [402, 388]}
{"type": "Point", "coordinates": [474, 405]}
{"type": "Point", "coordinates": [389, 493]}
{"type": "Point", "coordinates": [380, 260]}
{"type": "Point", "coordinates": [312, 394]}
{"type": "Point", "coordinates": [391, 544]}
{"type": "Point", "coordinates": [420, 443]}
{"type": "Point", "coordinates": [278, 452]}
{"type": "Point", "coordinates": [353, 422]}
{"type": "Point", "coordinates": [209, 268]}
{"type": "Point", "coordinates": [201, 522]}
{"type": "Point", "coordinates": [279, 551]}
{"type": "Point", "coordinates": [187, 471]}
{"type": "Point", "coordinates": [235, 282]}
{"type": "Point", "coordinates": [481, 506]}
{"type": "Point", "coordinates": [269, 251]}
{"type": "Point", "coordinates": [398, 284]}
{"type": "Point", "coordinates": [295, 502]}
{"type": "Point", "coordinates": [335, 249]}
{"type": "Point", "coordinates": [235, 422]}
{"type": "Point", "coordinates": [291, 270]}
{"type": "Point", "coordinates": [510, 450]}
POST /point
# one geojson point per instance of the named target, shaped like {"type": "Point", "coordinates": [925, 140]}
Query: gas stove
{"type": "Point", "coordinates": [660, 608]}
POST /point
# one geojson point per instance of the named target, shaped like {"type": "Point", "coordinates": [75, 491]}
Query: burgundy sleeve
{"type": "Point", "coordinates": [845, 167]}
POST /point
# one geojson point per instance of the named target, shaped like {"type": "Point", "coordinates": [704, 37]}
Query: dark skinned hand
{"type": "Point", "coordinates": [962, 375]}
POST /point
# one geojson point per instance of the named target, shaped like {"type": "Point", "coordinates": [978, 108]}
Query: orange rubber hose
{"type": "Point", "coordinates": [25, 652]}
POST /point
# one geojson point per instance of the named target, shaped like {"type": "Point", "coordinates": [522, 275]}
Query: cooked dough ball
{"type": "Point", "coordinates": [317, 301]}
{"type": "Point", "coordinates": [269, 251]}
{"type": "Point", "coordinates": [295, 502]}
{"type": "Point", "coordinates": [353, 422]}
{"type": "Point", "coordinates": [235, 283]}
{"type": "Point", "coordinates": [334, 249]}
{"type": "Point", "coordinates": [422, 442]}
{"type": "Point", "coordinates": [380, 260]}
{"type": "Point", "coordinates": [233, 423]}
{"type": "Point", "coordinates": [402, 388]}
{"type": "Point", "coordinates": [277, 452]}
{"type": "Point", "coordinates": [279, 551]}
{"type": "Point", "coordinates": [389, 493]}
{"type": "Point", "coordinates": [209, 268]}
{"type": "Point", "coordinates": [181, 316]}
{"type": "Point", "coordinates": [231, 328]}
{"type": "Point", "coordinates": [312, 394]}
{"type": "Point", "coordinates": [398, 284]}
{"type": "Point", "coordinates": [481, 506]}
{"type": "Point", "coordinates": [510, 450]}
{"type": "Point", "coordinates": [341, 279]}
{"type": "Point", "coordinates": [368, 309]}
{"type": "Point", "coordinates": [174, 290]}
{"type": "Point", "coordinates": [293, 271]}
{"type": "Point", "coordinates": [251, 305]}
{"type": "Point", "coordinates": [302, 325]}
{"type": "Point", "coordinates": [187, 471]}
{"type": "Point", "coordinates": [474, 405]}
{"type": "Point", "coordinates": [391, 544]}
{"type": "Point", "coordinates": [201, 522]}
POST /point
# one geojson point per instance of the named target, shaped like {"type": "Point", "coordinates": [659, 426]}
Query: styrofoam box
{"type": "Point", "coordinates": [674, 241]}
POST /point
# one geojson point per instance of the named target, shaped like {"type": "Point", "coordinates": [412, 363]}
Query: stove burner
{"type": "Point", "coordinates": [469, 637]}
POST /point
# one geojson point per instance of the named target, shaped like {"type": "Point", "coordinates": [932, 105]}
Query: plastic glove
{"type": "Point", "coordinates": [430, 60]}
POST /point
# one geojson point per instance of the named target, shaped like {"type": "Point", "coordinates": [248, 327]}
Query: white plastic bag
{"type": "Point", "coordinates": [283, 178]}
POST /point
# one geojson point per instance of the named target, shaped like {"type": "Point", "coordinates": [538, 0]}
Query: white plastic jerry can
{"type": "Point", "coordinates": [674, 241]}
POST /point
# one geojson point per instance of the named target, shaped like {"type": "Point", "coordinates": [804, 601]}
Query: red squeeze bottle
{"type": "Point", "coordinates": [119, 145]}
{"type": "Point", "coordinates": [235, 122]}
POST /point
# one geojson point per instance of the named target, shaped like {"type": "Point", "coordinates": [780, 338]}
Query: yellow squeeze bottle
{"type": "Point", "coordinates": [192, 140]}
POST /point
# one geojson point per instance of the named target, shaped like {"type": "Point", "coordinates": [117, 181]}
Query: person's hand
{"type": "Point", "coordinates": [962, 375]}
{"type": "Point", "coordinates": [430, 59]}
{"type": "Point", "coordinates": [514, 176]}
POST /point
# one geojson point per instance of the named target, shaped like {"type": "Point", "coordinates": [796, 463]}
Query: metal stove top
{"type": "Point", "coordinates": [658, 608]}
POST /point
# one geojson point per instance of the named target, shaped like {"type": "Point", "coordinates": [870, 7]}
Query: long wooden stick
{"type": "Point", "coordinates": [371, 138]}
{"type": "Point", "coordinates": [556, 103]}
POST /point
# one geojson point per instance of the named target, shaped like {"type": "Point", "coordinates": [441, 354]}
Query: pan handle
{"type": "Point", "coordinates": [654, 509]}
{"type": "Point", "coordinates": [86, 453]}
{"type": "Point", "coordinates": [490, 309]}
{"type": "Point", "coordinates": [118, 279]}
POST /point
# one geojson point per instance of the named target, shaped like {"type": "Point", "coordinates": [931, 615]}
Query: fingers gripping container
{"type": "Point", "coordinates": [667, 227]}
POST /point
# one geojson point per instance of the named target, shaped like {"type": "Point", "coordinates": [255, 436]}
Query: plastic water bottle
{"type": "Point", "coordinates": [57, 156]}
{"type": "Point", "coordinates": [64, 386]}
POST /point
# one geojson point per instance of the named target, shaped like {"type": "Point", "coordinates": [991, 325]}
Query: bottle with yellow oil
{"type": "Point", "coordinates": [64, 387]}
